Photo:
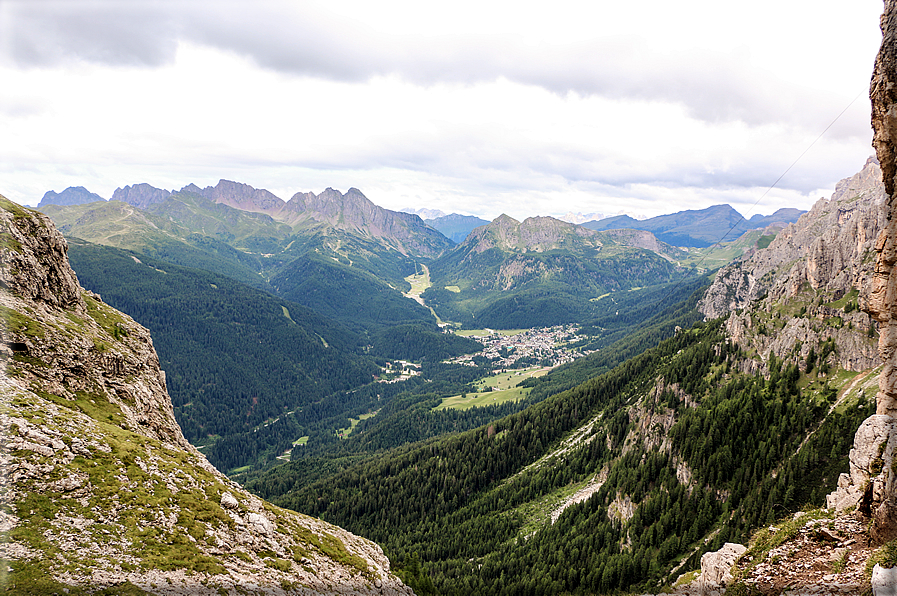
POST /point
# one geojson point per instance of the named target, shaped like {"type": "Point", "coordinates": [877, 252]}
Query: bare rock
{"type": "Point", "coordinates": [880, 496]}
{"type": "Point", "coordinates": [884, 581]}
{"type": "Point", "coordinates": [228, 501]}
{"type": "Point", "coordinates": [819, 259]}
{"type": "Point", "coordinates": [716, 567]}
{"type": "Point", "coordinates": [261, 524]}
{"type": "Point", "coordinates": [827, 248]}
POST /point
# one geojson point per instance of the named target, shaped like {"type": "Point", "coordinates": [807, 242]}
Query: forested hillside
{"type": "Point", "coordinates": [630, 463]}
{"type": "Point", "coordinates": [234, 356]}
{"type": "Point", "coordinates": [250, 373]}
{"type": "Point", "coordinates": [678, 445]}
{"type": "Point", "coordinates": [539, 272]}
{"type": "Point", "coordinates": [356, 298]}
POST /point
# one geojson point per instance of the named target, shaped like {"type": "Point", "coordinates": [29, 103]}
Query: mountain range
{"type": "Point", "coordinates": [539, 272]}
{"type": "Point", "coordinates": [697, 228]}
{"type": "Point", "coordinates": [615, 472]}
{"type": "Point", "coordinates": [313, 246]}
{"type": "Point", "coordinates": [354, 212]}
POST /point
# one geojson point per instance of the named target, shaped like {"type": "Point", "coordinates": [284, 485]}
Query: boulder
{"type": "Point", "coordinates": [716, 567]}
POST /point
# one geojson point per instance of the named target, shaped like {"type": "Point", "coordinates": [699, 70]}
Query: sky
{"type": "Point", "coordinates": [480, 108]}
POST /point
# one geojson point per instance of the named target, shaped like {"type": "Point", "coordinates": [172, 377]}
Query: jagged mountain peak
{"type": "Point", "coordinates": [140, 195]}
{"type": "Point", "coordinates": [240, 196]}
{"type": "Point", "coordinates": [356, 214]}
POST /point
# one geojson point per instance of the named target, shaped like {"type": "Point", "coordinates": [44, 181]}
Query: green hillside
{"type": "Point", "coordinates": [540, 272]}
{"type": "Point", "coordinates": [235, 357]}
{"type": "Point", "coordinates": [347, 294]}
{"type": "Point", "coordinates": [121, 225]}
{"type": "Point", "coordinates": [471, 512]}
{"type": "Point", "coordinates": [252, 232]}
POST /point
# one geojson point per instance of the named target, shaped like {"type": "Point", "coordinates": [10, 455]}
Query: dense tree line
{"type": "Point", "coordinates": [234, 356]}
{"type": "Point", "coordinates": [356, 298]}
{"type": "Point", "coordinates": [420, 342]}
{"type": "Point", "coordinates": [450, 511]}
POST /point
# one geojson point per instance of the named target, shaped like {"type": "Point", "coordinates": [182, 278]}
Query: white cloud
{"type": "Point", "coordinates": [483, 108]}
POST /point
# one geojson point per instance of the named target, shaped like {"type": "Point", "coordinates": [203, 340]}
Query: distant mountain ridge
{"type": "Point", "coordinates": [697, 228]}
{"type": "Point", "coordinates": [73, 195]}
{"type": "Point", "coordinates": [350, 212]}
{"type": "Point", "coordinates": [455, 226]}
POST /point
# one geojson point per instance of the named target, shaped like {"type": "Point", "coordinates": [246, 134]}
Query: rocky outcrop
{"type": "Point", "coordinates": [871, 469]}
{"type": "Point", "coordinates": [716, 572]}
{"type": "Point", "coordinates": [882, 301]}
{"type": "Point", "coordinates": [140, 195]}
{"type": "Point", "coordinates": [99, 486]}
{"type": "Point", "coordinates": [828, 249]}
{"type": "Point", "coordinates": [871, 459]}
{"type": "Point", "coordinates": [807, 287]}
{"type": "Point", "coordinates": [716, 567]}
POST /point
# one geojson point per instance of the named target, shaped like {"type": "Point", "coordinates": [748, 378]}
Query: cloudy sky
{"type": "Point", "coordinates": [471, 107]}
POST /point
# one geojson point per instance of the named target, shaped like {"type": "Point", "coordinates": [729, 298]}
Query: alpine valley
{"type": "Point", "coordinates": [274, 319]}
{"type": "Point", "coordinates": [526, 407]}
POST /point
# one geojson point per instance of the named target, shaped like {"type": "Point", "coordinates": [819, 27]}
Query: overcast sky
{"type": "Point", "coordinates": [472, 107]}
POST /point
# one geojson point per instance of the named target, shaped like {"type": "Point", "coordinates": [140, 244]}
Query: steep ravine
{"type": "Point", "coordinates": [100, 488]}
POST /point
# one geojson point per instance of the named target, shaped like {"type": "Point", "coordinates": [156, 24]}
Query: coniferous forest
{"type": "Point", "coordinates": [456, 511]}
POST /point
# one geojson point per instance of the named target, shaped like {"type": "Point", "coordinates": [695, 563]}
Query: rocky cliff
{"type": "Point", "coordinates": [807, 286]}
{"type": "Point", "coordinates": [100, 488]}
{"type": "Point", "coordinates": [880, 436]}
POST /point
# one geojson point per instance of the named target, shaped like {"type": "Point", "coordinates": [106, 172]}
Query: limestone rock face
{"type": "Point", "coordinates": [826, 256]}
{"type": "Point", "coordinates": [882, 301]}
{"type": "Point", "coordinates": [874, 441]}
{"type": "Point", "coordinates": [829, 247]}
{"type": "Point", "coordinates": [716, 567]}
{"type": "Point", "coordinates": [871, 459]}
{"type": "Point", "coordinates": [98, 486]}
{"type": "Point", "coordinates": [39, 274]}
